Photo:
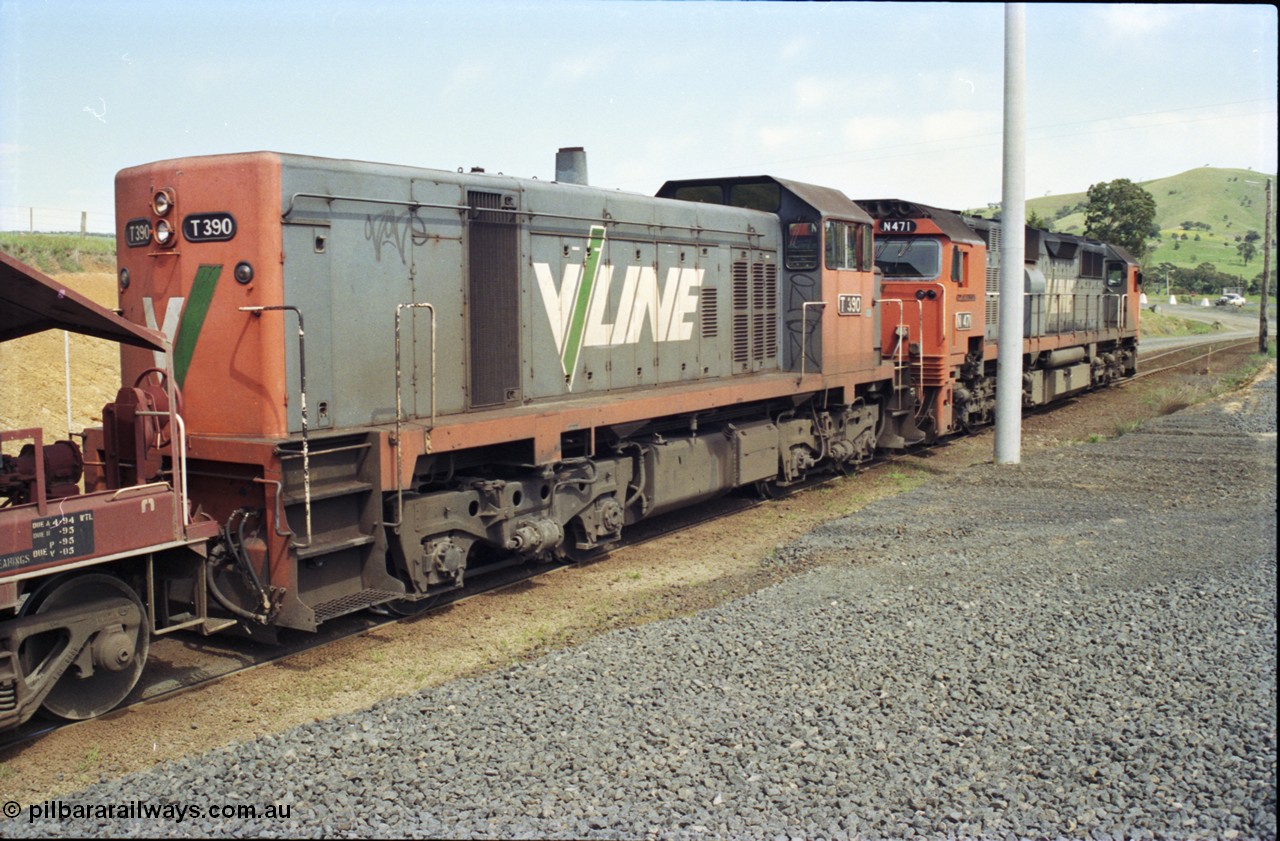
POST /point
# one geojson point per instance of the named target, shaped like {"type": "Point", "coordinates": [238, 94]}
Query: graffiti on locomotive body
{"type": "Point", "coordinates": [578, 310]}
{"type": "Point", "coordinates": [395, 229]}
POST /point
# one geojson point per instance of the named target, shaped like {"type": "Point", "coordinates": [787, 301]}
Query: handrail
{"type": "Point", "coordinates": [180, 463]}
{"type": "Point", "coordinates": [284, 217]}
{"type": "Point", "coordinates": [400, 410]}
{"type": "Point", "coordinates": [897, 334]}
{"type": "Point", "coordinates": [36, 434]}
{"type": "Point", "coordinates": [302, 371]}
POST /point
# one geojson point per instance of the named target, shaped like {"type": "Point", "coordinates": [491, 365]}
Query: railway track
{"type": "Point", "coordinates": [186, 662]}
{"type": "Point", "coordinates": [1215, 346]}
{"type": "Point", "coordinates": [181, 664]}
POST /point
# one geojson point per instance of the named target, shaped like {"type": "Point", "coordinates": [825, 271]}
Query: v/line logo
{"type": "Point", "coordinates": [183, 319]}
{"type": "Point", "coordinates": [578, 309]}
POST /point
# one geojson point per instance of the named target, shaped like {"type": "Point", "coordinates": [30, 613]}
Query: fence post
{"type": "Point", "coordinates": [84, 222]}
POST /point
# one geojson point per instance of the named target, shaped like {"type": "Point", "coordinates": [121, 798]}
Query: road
{"type": "Point", "coordinates": [1236, 324]}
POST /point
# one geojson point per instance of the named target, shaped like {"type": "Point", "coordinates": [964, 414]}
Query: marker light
{"type": "Point", "coordinates": [244, 272]}
{"type": "Point", "coordinates": [164, 234]}
{"type": "Point", "coordinates": [124, 278]}
{"type": "Point", "coordinates": [162, 202]}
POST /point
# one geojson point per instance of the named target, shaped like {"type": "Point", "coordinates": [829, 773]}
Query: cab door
{"type": "Point", "coordinates": [850, 322]}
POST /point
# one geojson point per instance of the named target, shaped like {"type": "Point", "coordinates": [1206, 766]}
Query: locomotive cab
{"type": "Point", "coordinates": [935, 315]}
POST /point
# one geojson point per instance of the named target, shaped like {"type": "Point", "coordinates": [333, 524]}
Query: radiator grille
{"type": "Point", "coordinates": [494, 301]}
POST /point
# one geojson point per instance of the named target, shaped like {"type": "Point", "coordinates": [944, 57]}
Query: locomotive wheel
{"type": "Point", "coordinates": [769, 489]}
{"type": "Point", "coordinates": [408, 607]}
{"type": "Point", "coordinates": [117, 653]}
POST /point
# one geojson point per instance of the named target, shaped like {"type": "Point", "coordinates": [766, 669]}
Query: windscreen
{"type": "Point", "coordinates": [909, 258]}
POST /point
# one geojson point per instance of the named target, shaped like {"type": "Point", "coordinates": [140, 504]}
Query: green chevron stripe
{"type": "Point", "coordinates": [193, 315]}
{"type": "Point", "coordinates": [578, 318]}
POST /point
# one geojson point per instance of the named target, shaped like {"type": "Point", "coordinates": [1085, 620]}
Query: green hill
{"type": "Point", "coordinates": [1218, 205]}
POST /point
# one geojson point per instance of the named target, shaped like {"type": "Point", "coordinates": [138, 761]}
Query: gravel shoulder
{"type": "Point", "coordinates": [1094, 657]}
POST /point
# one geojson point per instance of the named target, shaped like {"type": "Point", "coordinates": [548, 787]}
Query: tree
{"type": "Point", "coordinates": [1035, 220]}
{"type": "Point", "coordinates": [1120, 212]}
{"type": "Point", "coordinates": [1249, 247]}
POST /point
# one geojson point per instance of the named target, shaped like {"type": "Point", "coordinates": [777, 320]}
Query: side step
{"type": "Point", "coordinates": [343, 605]}
{"type": "Point", "coordinates": [343, 568]}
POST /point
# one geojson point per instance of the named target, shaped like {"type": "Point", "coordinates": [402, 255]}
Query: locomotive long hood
{"type": "Point", "coordinates": [33, 302]}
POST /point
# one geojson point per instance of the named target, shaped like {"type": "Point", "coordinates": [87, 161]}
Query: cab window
{"type": "Point", "coordinates": [802, 246]}
{"type": "Point", "coordinates": [765, 196]}
{"type": "Point", "coordinates": [848, 245]}
{"type": "Point", "coordinates": [909, 258]}
{"type": "Point", "coordinates": [1115, 276]}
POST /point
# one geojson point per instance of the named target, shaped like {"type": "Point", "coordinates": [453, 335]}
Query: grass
{"type": "Point", "coordinates": [1167, 400]}
{"type": "Point", "coordinates": [1158, 324]}
{"type": "Point", "coordinates": [52, 253]}
{"type": "Point", "coordinates": [90, 759]}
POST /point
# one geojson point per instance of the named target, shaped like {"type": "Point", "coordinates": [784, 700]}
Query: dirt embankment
{"type": "Point", "coordinates": [33, 381]}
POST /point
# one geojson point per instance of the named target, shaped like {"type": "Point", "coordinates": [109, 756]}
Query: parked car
{"type": "Point", "coordinates": [1230, 299]}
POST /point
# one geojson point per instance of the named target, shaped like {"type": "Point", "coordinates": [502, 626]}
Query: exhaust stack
{"type": "Point", "coordinates": [571, 165]}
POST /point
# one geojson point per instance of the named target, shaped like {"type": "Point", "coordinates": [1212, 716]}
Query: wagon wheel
{"type": "Point", "coordinates": [163, 376]}
{"type": "Point", "coordinates": [117, 653]}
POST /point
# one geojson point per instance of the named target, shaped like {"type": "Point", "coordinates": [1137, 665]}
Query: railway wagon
{"type": "Point", "coordinates": [941, 295]}
{"type": "Point", "coordinates": [83, 574]}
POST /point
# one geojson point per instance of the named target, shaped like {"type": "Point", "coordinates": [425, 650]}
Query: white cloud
{"type": "Point", "coordinates": [1137, 20]}
{"type": "Point", "coordinates": [782, 138]}
{"type": "Point", "coordinates": [813, 93]}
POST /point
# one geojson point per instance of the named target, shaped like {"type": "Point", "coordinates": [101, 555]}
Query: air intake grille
{"type": "Point", "coordinates": [710, 305]}
{"type": "Point", "coordinates": [755, 314]}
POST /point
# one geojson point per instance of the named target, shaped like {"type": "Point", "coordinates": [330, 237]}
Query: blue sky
{"type": "Point", "coordinates": [875, 99]}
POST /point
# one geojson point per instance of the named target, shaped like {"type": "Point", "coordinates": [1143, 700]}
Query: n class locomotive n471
{"type": "Point", "coordinates": [353, 385]}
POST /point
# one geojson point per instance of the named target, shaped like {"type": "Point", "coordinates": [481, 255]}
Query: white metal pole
{"type": "Point", "coordinates": [66, 362]}
{"type": "Point", "coordinates": [1266, 273]}
{"type": "Point", "coordinates": [1008, 448]}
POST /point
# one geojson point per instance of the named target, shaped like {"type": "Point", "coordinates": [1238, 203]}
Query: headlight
{"type": "Point", "coordinates": [164, 234]}
{"type": "Point", "coordinates": [162, 201]}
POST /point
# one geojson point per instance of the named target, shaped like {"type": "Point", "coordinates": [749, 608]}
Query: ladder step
{"type": "Point", "coordinates": [328, 490]}
{"type": "Point", "coordinates": [325, 547]}
{"type": "Point", "coordinates": [294, 450]}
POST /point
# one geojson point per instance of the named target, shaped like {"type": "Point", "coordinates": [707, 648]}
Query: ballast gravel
{"type": "Point", "coordinates": [1083, 645]}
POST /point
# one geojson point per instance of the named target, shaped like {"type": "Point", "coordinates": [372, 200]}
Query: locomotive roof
{"type": "Point", "coordinates": [950, 222]}
{"type": "Point", "coordinates": [33, 302]}
{"type": "Point", "coordinates": [826, 200]}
